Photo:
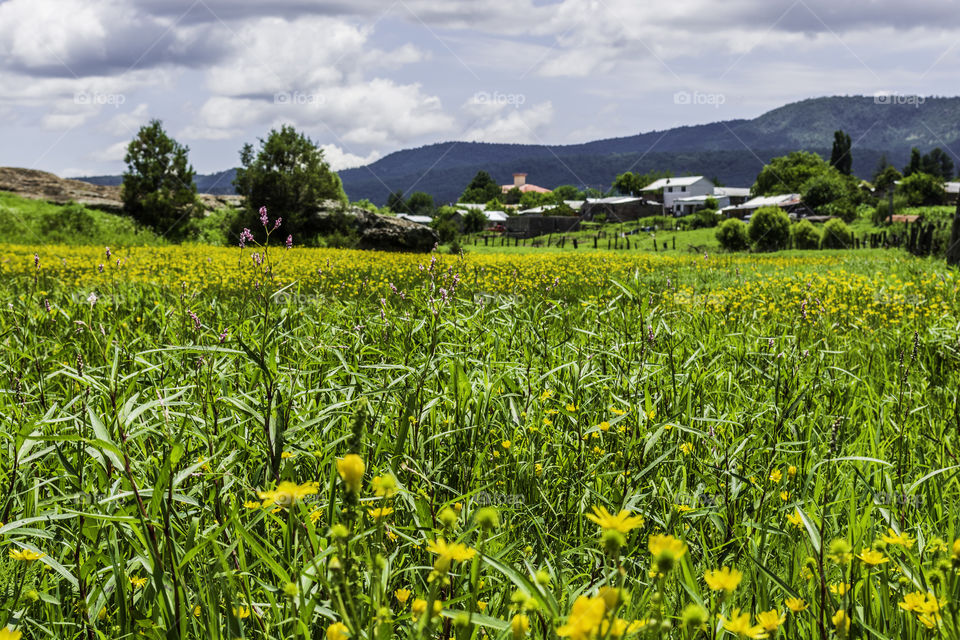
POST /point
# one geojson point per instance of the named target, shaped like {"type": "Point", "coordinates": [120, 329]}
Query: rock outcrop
{"type": "Point", "coordinates": [41, 185]}
{"type": "Point", "coordinates": [379, 232]}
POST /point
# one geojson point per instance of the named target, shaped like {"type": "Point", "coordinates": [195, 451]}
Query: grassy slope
{"type": "Point", "coordinates": [23, 220]}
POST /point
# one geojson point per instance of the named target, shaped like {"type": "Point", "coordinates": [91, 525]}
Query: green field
{"type": "Point", "coordinates": [540, 444]}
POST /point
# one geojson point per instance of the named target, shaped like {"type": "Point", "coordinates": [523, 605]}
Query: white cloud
{"type": "Point", "coordinates": [339, 159]}
{"type": "Point", "coordinates": [110, 155]}
{"type": "Point", "coordinates": [514, 125]}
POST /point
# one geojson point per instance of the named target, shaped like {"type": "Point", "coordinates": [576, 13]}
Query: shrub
{"type": "Point", "coordinates": [883, 212]}
{"type": "Point", "coordinates": [805, 235]}
{"type": "Point", "coordinates": [836, 235]}
{"type": "Point", "coordinates": [732, 235]}
{"type": "Point", "coordinates": [64, 224]}
{"type": "Point", "coordinates": [769, 229]}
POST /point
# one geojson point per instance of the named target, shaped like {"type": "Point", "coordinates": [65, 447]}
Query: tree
{"type": "Point", "coordinates": [567, 192]}
{"type": "Point", "coordinates": [290, 177]}
{"type": "Point", "coordinates": [916, 163]}
{"type": "Point", "coordinates": [886, 179]}
{"type": "Point", "coordinates": [158, 189]}
{"type": "Point", "coordinates": [628, 184]}
{"type": "Point", "coordinates": [513, 196]}
{"type": "Point", "coordinates": [840, 156]}
{"type": "Point", "coordinates": [769, 229]}
{"type": "Point", "coordinates": [938, 163]}
{"type": "Point", "coordinates": [922, 189]}
{"type": "Point", "coordinates": [396, 203]}
{"type": "Point", "coordinates": [420, 204]}
{"type": "Point", "coordinates": [481, 189]}
{"type": "Point", "coordinates": [474, 221]}
{"type": "Point", "coordinates": [787, 174]}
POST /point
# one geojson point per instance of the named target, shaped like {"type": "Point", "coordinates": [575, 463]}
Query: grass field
{"type": "Point", "coordinates": [204, 442]}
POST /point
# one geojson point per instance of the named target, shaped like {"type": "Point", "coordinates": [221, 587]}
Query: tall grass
{"type": "Point", "coordinates": [232, 461]}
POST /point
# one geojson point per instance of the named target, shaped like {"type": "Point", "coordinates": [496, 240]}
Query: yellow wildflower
{"type": "Point", "coordinates": [725, 579]}
{"type": "Point", "coordinates": [351, 469]}
{"type": "Point", "coordinates": [623, 522]}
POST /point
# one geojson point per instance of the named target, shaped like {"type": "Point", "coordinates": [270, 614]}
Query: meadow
{"type": "Point", "coordinates": [311, 443]}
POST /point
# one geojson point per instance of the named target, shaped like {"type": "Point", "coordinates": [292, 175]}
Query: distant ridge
{"type": "Point", "coordinates": [732, 151]}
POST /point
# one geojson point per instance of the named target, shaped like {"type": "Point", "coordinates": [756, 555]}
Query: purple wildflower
{"type": "Point", "coordinates": [108, 253]}
{"type": "Point", "coordinates": [290, 242]}
{"type": "Point", "coordinates": [277, 223]}
{"type": "Point", "coordinates": [195, 318]}
{"type": "Point", "coordinates": [245, 237]}
{"type": "Point", "coordinates": [36, 260]}
{"type": "Point", "coordinates": [263, 216]}
{"type": "Point", "coordinates": [100, 268]}
{"type": "Point", "coordinates": [223, 336]}
{"type": "Point", "coordinates": [257, 259]}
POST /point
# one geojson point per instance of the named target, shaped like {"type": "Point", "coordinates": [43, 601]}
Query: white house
{"type": "Point", "coordinates": [673, 188]}
{"type": "Point", "coordinates": [724, 197]}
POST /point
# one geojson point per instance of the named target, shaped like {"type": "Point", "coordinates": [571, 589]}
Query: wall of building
{"type": "Point", "coordinates": [535, 225]}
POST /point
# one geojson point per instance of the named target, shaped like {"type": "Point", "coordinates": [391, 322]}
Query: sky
{"type": "Point", "coordinates": [363, 78]}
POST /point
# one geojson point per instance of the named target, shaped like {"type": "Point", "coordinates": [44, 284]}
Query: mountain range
{"type": "Point", "coordinates": [731, 151]}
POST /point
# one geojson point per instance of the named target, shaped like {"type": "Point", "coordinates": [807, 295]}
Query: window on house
{"type": "Point", "coordinates": [669, 189]}
{"type": "Point", "coordinates": [683, 188]}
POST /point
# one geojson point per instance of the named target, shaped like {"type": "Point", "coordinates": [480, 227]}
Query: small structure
{"type": "Point", "coordinates": [619, 208]}
{"type": "Point", "coordinates": [520, 182]}
{"type": "Point", "coordinates": [789, 202]}
{"type": "Point", "coordinates": [417, 219]}
{"type": "Point", "coordinates": [672, 188]}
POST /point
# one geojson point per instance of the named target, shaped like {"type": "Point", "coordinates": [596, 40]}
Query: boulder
{"type": "Point", "coordinates": [382, 233]}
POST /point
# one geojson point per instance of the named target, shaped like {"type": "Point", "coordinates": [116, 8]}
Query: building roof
{"type": "Point", "coordinates": [685, 181]}
{"type": "Point", "coordinates": [471, 205]}
{"type": "Point", "coordinates": [697, 199]}
{"type": "Point", "coordinates": [951, 187]}
{"type": "Point", "coordinates": [784, 200]}
{"type": "Point", "coordinates": [614, 200]}
{"type": "Point", "coordinates": [733, 192]}
{"type": "Point", "coordinates": [417, 219]}
{"type": "Point", "coordinates": [524, 188]}
{"type": "Point", "coordinates": [495, 216]}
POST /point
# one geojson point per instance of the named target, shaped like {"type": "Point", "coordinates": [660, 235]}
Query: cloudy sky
{"type": "Point", "coordinates": [367, 77]}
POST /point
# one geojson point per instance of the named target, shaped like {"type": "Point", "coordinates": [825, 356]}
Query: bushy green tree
{"type": "Point", "coordinates": [836, 235]}
{"type": "Point", "coordinates": [567, 192]}
{"type": "Point", "coordinates": [481, 189]}
{"type": "Point", "coordinates": [886, 178]}
{"type": "Point", "coordinates": [922, 189]}
{"type": "Point", "coordinates": [397, 203]}
{"type": "Point", "coordinates": [421, 204]}
{"type": "Point", "coordinates": [513, 196]}
{"type": "Point", "coordinates": [788, 174]}
{"type": "Point", "coordinates": [805, 235]}
{"type": "Point", "coordinates": [290, 177]}
{"type": "Point", "coordinates": [474, 221]}
{"type": "Point", "coordinates": [732, 235]}
{"type": "Point", "coordinates": [769, 229]}
{"type": "Point", "coordinates": [158, 188]}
